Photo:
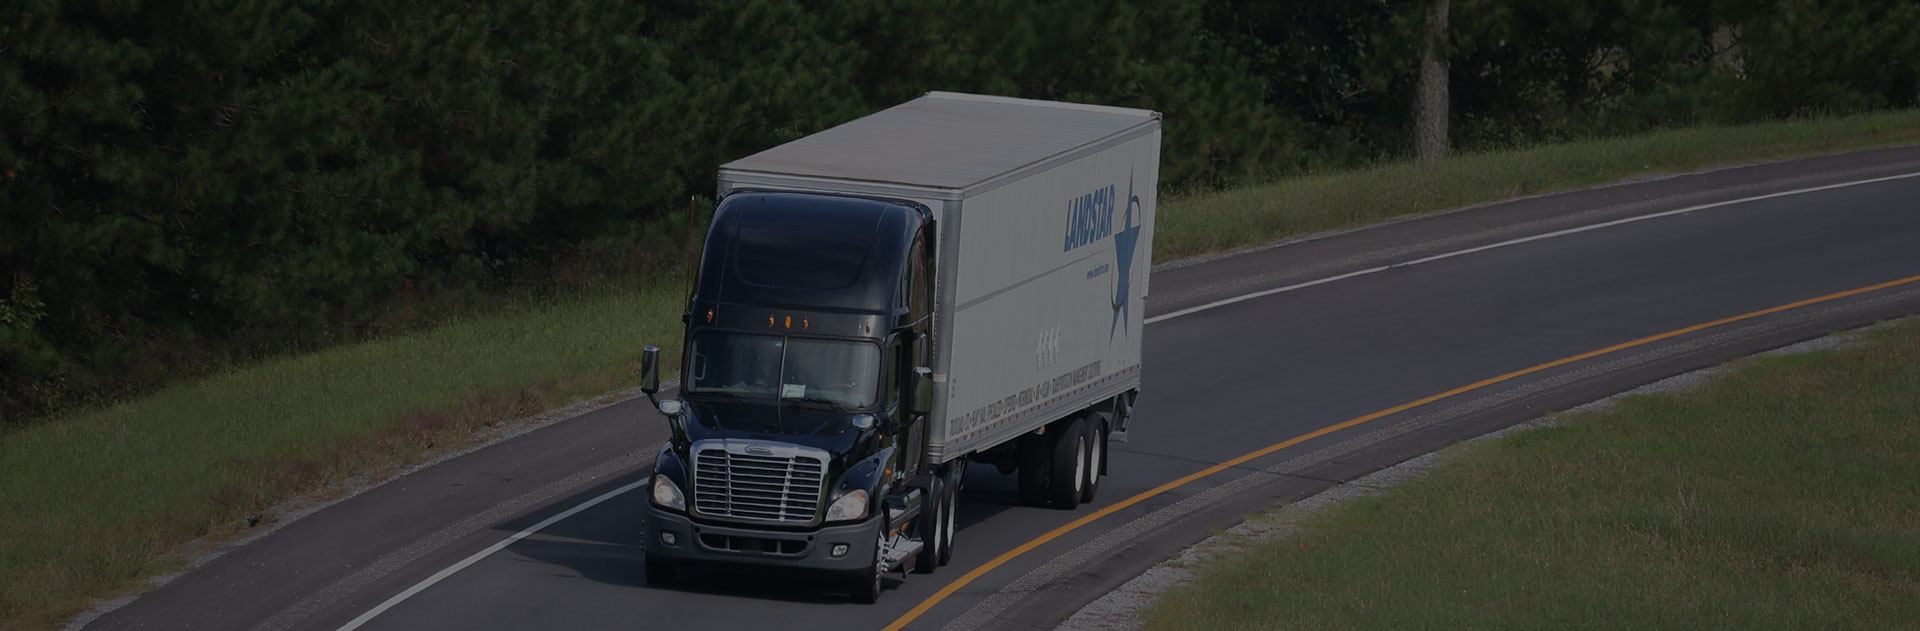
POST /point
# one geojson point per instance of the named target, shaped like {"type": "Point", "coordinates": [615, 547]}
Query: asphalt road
{"type": "Point", "coordinates": [1401, 321]}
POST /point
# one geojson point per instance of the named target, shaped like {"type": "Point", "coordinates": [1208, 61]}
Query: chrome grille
{"type": "Point", "coordinates": [758, 481]}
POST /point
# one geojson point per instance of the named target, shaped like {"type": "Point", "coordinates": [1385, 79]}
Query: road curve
{"type": "Point", "coordinates": [1336, 328]}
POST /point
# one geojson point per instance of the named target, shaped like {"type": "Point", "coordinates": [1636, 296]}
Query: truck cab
{"type": "Point", "coordinates": [807, 336]}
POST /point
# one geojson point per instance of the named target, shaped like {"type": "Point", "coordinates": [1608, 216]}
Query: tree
{"type": "Point", "coordinates": [1431, 107]}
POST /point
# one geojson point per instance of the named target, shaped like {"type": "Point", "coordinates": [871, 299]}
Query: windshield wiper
{"type": "Point", "coordinates": [720, 394]}
{"type": "Point", "coordinates": [817, 402]}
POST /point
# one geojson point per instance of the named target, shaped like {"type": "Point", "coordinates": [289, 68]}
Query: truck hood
{"type": "Point", "coordinates": [831, 430]}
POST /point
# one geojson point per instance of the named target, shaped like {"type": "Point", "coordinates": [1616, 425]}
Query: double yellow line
{"type": "Point", "coordinates": [1009, 555]}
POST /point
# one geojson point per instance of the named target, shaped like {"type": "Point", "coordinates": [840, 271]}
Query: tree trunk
{"type": "Point", "coordinates": [1430, 106]}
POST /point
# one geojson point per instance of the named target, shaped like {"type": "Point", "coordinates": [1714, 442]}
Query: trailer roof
{"type": "Point", "coordinates": [946, 140]}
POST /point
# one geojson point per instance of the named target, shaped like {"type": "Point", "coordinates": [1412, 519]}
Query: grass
{"type": "Point", "coordinates": [93, 503]}
{"type": "Point", "coordinates": [1192, 225]}
{"type": "Point", "coordinates": [1781, 496]}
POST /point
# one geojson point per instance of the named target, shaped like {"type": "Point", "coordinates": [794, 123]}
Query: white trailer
{"type": "Point", "coordinates": [1045, 212]}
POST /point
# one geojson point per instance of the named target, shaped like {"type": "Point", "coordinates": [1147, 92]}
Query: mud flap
{"type": "Point", "coordinates": [1122, 412]}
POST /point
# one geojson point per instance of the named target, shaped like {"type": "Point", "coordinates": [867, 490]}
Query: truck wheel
{"type": "Point", "coordinates": [953, 507]}
{"type": "Point", "coordinates": [1069, 464]}
{"type": "Point", "coordinates": [1035, 455]}
{"type": "Point", "coordinates": [660, 572]}
{"type": "Point", "coordinates": [931, 527]}
{"type": "Point", "coordinates": [1096, 455]}
{"type": "Point", "coordinates": [864, 585]}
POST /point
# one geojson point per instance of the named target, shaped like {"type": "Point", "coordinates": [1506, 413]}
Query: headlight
{"type": "Point", "coordinates": [849, 507]}
{"type": "Point", "coordinates": [665, 493]}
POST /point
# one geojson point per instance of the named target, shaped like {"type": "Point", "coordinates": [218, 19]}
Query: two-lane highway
{"type": "Point", "coordinates": [1310, 351]}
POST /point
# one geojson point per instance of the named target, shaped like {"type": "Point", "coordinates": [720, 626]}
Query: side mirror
{"type": "Point", "coordinates": [650, 369]}
{"type": "Point", "coordinates": [921, 400]}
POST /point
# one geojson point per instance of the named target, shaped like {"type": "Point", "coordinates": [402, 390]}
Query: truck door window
{"type": "Point", "coordinates": [922, 295]}
{"type": "Point", "coordinates": [916, 288]}
{"type": "Point", "coordinates": [891, 391]}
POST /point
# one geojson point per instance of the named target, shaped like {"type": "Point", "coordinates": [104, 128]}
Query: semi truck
{"type": "Point", "coordinates": [956, 279]}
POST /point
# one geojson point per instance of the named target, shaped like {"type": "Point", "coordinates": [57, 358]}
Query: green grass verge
{"type": "Point", "coordinates": [92, 503]}
{"type": "Point", "coordinates": [1214, 222]}
{"type": "Point", "coordinates": [1780, 496]}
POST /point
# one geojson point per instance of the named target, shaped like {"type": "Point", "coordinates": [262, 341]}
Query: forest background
{"type": "Point", "coordinates": [197, 184]}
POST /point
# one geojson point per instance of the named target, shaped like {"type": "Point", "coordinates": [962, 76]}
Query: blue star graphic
{"type": "Point", "coordinates": [1124, 243]}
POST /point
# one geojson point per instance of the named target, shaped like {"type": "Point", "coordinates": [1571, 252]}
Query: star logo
{"type": "Point", "coordinates": [1124, 243]}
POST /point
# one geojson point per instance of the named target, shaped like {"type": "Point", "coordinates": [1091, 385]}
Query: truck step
{"type": "Point", "coordinates": [898, 550]}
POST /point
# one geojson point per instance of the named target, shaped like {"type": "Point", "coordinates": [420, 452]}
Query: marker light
{"type": "Point", "coordinates": [769, 321]}
{"type": "Point", "coordinates": [709, 315]}
{"type": "Point", "coordinates": [803, 324]}
{"type": "Point", "coordinates": [789, 322]}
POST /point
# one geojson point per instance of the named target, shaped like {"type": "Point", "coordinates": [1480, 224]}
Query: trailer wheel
{"type": "Point", "coordinates": [1069, 464]}
{"type": "Point", "coordinates": [1096, 458]}
{"type": "Point", "coordinates": [932, 526]}
{"type": "Point", "coordinates": [660, 572]}
{"type": "Point", "coordinates": [1035, 455]}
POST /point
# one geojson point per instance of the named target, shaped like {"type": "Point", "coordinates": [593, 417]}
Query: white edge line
{"type": "Point", "coordinates": [464, 563]}
{"type": "Point", "coordinates": [443, 574]}
{"type": "Point", "coordinates": [1538, 237]}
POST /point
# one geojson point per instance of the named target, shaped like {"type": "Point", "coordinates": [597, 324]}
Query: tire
{"type": "Point", "coordinates": [953, 506]}
{"type": "Point", "coordinates": [932, 525]}
{"type": "Point", "coordinates": [863, 586]}
{"type": "Point", "coordinates": [1096, 457]}
{"type": "Point", "coordinates": [661, 572]}
{"type": "Point", "coordinates": [1035, 455]}
{"type": "Point", "coordinates": [1069, 465]}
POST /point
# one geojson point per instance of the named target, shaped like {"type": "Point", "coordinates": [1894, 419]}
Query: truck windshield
{"type": "Point", "coordinates": [767, 367]}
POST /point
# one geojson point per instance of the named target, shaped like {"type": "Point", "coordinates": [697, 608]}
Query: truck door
{"type": "Point", "coordinates": [908, 355]}
{"type": "Point", "coordinates": [913, 433]}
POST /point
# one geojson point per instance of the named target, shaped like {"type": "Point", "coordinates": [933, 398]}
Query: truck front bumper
{"type": "Point", "coordinates": [839, 548]}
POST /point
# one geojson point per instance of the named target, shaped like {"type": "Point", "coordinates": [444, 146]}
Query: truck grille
{"type": "Point", "coordinates": [757, 481]}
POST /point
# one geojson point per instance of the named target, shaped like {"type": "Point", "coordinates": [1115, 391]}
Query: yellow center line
{"type": "Point", "coordinates": [1009, 555]}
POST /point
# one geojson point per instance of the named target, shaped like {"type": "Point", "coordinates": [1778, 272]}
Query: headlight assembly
{"type": "Point", "coordinates": [851, 506]}
{"type": "Point", "coordinates": [667, 494]}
